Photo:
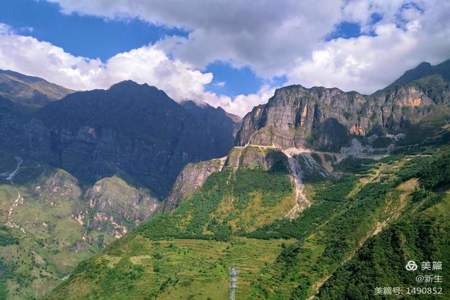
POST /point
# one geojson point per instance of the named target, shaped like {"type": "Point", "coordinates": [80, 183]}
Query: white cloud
{"type": "Point", "coordinates": [266, 35]}
{"type": "Point", "coordinates": [286, 37]}
{"type": "Point", "coordinates": [241, 104]}
{"type": "Point", "coordinates": [368, 63]}
{"type": "Point", "coordinates": [273, 38]}
{"type": "Point", "coordinates": [148, 64]}
{"type": "Point", "coordinates": [30, 56]}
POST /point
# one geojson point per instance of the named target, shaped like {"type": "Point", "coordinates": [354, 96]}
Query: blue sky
{"type": "Point", "coordinates": [80, 35]}
{"type": "Point", "coordinates": [95, 37]}
{"type": "Point", "coordinates": [229, 53]}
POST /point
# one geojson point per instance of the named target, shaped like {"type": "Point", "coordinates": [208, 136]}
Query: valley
{"type": "Point", "coordinates": [305, 253]}
{"type": "Point", "coordinates": [153, 199]}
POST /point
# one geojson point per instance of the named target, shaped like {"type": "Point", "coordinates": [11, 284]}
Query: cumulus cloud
{"type": "Point", "coordinates": [148, 64]}
{"type": "Point", "coordinates": [241, 104]}
{"type": "Point", "coordinates": [266, 35]}
{"type": "Point", "coordinates": [286, 37]}
{"type": "Point", "coordinates": [273, 38]}
{"type": "Point", "coordinates": [368, 63]}
{"type": "Point", "coordinates": [30, 56]}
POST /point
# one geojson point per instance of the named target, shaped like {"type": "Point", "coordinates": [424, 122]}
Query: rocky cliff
{"type": "Point", "coordinates": [194, 175]}
{"type": "Point", "coordinates": [351, 230]}
{"type": "Point", "coordinates": [319, 132]}
{"type": "Point", "coordinates": [133, 131]}
{"type": "Point", "coordinates": [113, 206]}
{"type": "Point", "coordinates": [190, 179]}
{"type": "Point", "coordinates": [328, 118]}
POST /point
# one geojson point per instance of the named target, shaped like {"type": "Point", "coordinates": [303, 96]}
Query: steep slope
{"type": "Point", "coordinates": [377, 202]}
{"type": "Point", "coordinates": [200, 234]}
{"type": "Point", "coordinates": [133, 130]}
{"type": "Point", "coordinates": [423, 70]}
{"type": "Point", "coordinates": [190, 179]}
{"type": "Point", "coordinates": [50, 223]}
{"type": "Point", "coordinates": [12, 118]}
{"type": "Point", "coordinates": [421, 236]}
{"type": "Point", "coordinates": [29, 91]}
{"type": "Point", "coordinates": [329, 119]}
{"type": "Point", "coordinates": [83, 171]}
{"type": "Point", "coordinates": [238, 219]}
{"type": "Point", "coordinates": [314, 175]}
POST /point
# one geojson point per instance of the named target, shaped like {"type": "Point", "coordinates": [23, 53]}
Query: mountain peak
{"type": "Point", "coordinates": [424, 69]}
{"type": "Point", "coordinates": [127, 84]}
{"type": "Point", "coordinates": [423, 65]}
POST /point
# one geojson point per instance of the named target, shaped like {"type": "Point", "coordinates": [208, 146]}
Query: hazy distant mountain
{"type": "Point", "coordinates": [29, 91]}
{"type": "Point", "coordinates": [423, 70]}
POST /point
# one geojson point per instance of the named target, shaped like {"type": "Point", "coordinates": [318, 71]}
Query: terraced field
{"type": "Point", "coordinates": [281, 258]}
{"type": "Point", "coordinates": [175, 269]}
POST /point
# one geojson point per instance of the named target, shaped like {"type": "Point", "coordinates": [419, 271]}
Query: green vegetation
{"type": "Point", "coordinates": [355, 165]}
{"type": "Point", "coordinates": [389, 211]}
{"type": "Point", "coordinates": [392, 192]}
{"type": "Point", "coordinates": [328, 197]}
{"type": "Point", "coordinates": [421, 236]}
{"type": "Point", "coordinates": [40, 249]}
{"type": "Point", "coordinates": [228, 202]}
{"type": "Point", "coordinates": [172, 269]}
{"type": "Point", "coordinates": [42, 241]}
{"type": "Point", "coordinates": [6, 238]}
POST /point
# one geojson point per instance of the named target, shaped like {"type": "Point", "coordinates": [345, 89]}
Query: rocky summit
{"type": "Point", "coordinates": [328, 118]}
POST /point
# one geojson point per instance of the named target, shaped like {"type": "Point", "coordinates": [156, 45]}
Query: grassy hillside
{"type": "Point", "coordinates": [421, 235]}
{"type": "Point", "coordinates": [229, 202]}
{"type": "Point", "coordinates": [237, 219]}
{"type": "Point", "coordinates": [40, 242]}
{"type": "Point", "coordinates": [377, 201]}
{"type": "Point", "coordinates": [170, 269]}
{"type": "Point", "coordinates": [49, 224]}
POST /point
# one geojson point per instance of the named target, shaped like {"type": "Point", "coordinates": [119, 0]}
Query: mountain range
{"type": "Point", "coordinates": [85, 169]}
{"type": "Point", "coordinates": [135, 130]}
{"type": "Point", "coordinates": [319, 193]}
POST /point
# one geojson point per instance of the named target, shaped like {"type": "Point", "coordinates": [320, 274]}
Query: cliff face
{"type": "Point", "coordinates": [114, 206]}
{"type": "Point", "coordinates": [320, 130]}
{"type": "Point", "coordinates": [190, 179]}
{"type": "Point", "coordinates": [134, 131]}
{"type": "Point", "coordinates": [194, 175]}
{"type": "Point", "coordinates": [110, 206]}
{"type": "Point", "coordinates": [329, 118]}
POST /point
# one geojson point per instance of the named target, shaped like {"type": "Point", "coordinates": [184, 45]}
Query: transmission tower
{"type": "Point", "coordinates": [233, 283]}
